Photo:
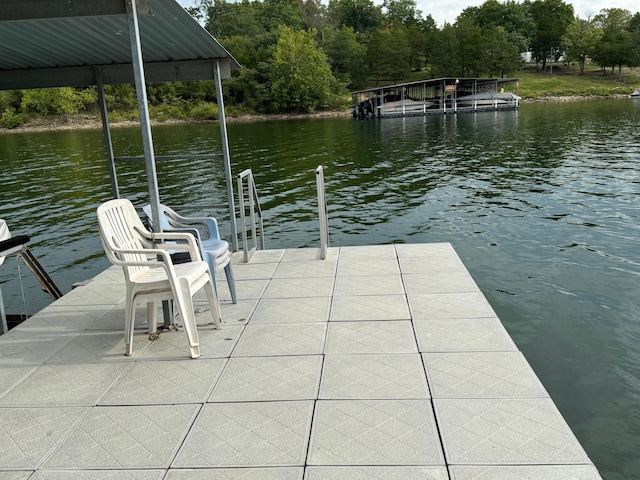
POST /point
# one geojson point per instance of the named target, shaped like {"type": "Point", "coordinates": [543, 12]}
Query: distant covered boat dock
{"type": "Point", "coordinates": [437, 96]}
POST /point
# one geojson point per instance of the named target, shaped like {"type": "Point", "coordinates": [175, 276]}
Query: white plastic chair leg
{"type": "Point", "coordinates": [185, 306]}
{"type": "Point", "coordinates": [231, 282]}
{"type": "Point", "coordinates": [214, 306]}
{"type": "Point", "coordinates": [152, 317]}
{"type": "Point", "coordinates": [129, 322]}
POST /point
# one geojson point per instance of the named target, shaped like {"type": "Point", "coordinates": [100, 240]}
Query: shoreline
{"type": "Point", "coordinates": [91, 122]}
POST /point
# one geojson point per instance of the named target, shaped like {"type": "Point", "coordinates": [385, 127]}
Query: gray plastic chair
{"type": "Point", "coordinates": [213, 249]}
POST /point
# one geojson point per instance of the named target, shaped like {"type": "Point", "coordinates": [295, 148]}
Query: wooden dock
{"type": "Point", "coordinates": [378, 362]}
{"type": "Point", "coordinates": [436, 97]}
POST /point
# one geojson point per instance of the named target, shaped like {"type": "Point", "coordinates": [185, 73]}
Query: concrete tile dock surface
{"type": "Point", "coordinates": [380, 362]}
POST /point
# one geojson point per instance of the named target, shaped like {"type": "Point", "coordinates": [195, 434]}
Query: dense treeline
{"type": "Point", "coordinates": [301, 56]}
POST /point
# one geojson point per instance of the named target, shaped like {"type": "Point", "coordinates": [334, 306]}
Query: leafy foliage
{"type": "Point", "coordinates": [300, 74]}
{"type": "Point", "coordinates": [63, 101]}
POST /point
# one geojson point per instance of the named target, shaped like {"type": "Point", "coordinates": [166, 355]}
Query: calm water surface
{"type": "Point", "coordinates": [542, 204]}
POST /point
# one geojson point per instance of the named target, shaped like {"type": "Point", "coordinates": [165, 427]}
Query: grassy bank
{"type": "Point", "coordinates": [566, 81]}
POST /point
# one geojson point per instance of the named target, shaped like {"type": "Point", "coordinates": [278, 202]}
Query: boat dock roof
{"type": "Point", "coordinates": [379, 362]}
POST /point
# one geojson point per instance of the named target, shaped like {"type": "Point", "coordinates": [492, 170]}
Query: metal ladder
{"type": "Point", "coordinates": [257, 232]}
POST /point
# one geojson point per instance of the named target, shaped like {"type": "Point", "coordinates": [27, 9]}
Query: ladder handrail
{"type": "Point", "coordinates": [254, 207]}
{"type": "Point", "coordinates": [323, 216]}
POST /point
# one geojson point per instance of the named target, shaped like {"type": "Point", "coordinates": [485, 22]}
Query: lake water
{"type": "Point", "coordinates": [542, 205]}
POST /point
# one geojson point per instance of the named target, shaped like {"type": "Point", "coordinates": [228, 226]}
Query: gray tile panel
{"type": "Point", "coordinates": [270, 473]}
{"type": "Point", "coordinates": [370, 337]}
{"type": "Point", "coordinates": [354, 266]}
{"type": "Point", "coordinates": [11, 375]}
{"type": "Point", "coordinates": [506, 431]}
{"type": "Point", "coordinates": [374, 376]}
{"type": "Point", "coordinates": [282, 339]}
{"type": "Point", "coordinates": [99, 346]}
{"type": "Point", "coordinates": [166, 382]}
{"type": "Point", "coordinates": [20, 347]}
{"type": "Point", "coordinates": [374, 432]}
{"type": "Point", "coordinates": [260, 256]}
{"type": "Point", "coordinates": [127, 437]}
{"type": "Point", "coordinates": [98, 475]}
{"type": "Point", "coordinates": [463, 335]}
{"type": "Point", "coordinates": [315, 268]}
{"type": "Point", "coordinates": [392, 472]}
{"type": "Point", "coordinates": [440, 281]}
{"type": "Point", "coordinates": [525, 472]}
{"type": "Point", "coordinates": [292, 310]}
{"type": "Point", "coordinates": [308, 254]}
{"type": "Point", "coordinates": [64, 385]}
{"type": "Point", "coordinates": [372, 285]}
{"type": "Point", "coordinates": [299, 287]}
{"type": "Point", "coordinates": [15, 475]}
{"type": "Point", "coordinates": [370, 307]}
{"type": "Point", "coordinates": [482, 374]}
{"type": "Point", "coordinates": [248, 434]}
{"type": "Point", "coordinates": [250, 271]}
{"type": "Point", "coordinates": [94, 293]}
{"type": "Point", "coordinates": [27, 434]}
{"type": "Point", "coordinates": [368, 252]}
{"type": "Point", "coordinates": [269, 379]}
{"type": "Point", "coordinates": [450, 305]}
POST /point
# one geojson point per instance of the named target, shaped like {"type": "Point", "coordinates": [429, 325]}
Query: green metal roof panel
{"type": "Point", "coordinates": [63, 50]}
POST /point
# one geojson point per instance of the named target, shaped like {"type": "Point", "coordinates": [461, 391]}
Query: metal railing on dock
{"type": "Point", "coordinates": [323, 217]}
{"type": "Point", "coordinates": [257, 233]}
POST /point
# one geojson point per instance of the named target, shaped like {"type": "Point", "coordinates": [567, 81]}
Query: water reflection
{"type": "Point", "coordinates": [541, 204]}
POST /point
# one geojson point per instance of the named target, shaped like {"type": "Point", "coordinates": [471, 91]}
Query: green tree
{"type": "Point", "coordinates": [227, 19]}
{"type": "Point", "coordinates": [634, 30]}
{"type": "Point", "coordinates": [361, 15]}
{"type": "Point", "coordinates": [250, 89]}
{"type": "Point", "coordinates": [515, 18]}
{"type": "Point", "coordinates": [615, 47]}
{"type": "Point", "coordinates": [500, 56]}
{"type": "Point", "coordinates": [401, 12]}
{"type": "Point", "coordinates": [300, 74]}
{"type": "Point", "coordinates": [388, 55]}
{"type": "Point", "coordinates": [346, 56]}
{"type": "Point", "coordinates": [551, 17]}
{"type": "Point", "coordinates": [444, 53]}
{"type": "Point", "coordinates": [581, 39]}
{"type": "Point", "coordinates": [313, 14]}
{"type": "Point", "coordinates": [277, 13]}
{"type": "Point", "coordinates": [470, 48]}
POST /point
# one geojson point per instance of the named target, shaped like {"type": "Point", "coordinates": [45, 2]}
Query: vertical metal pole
{"type": "Point", "coordinates": [143, 111]}
{"type": "Point", "coordinates": [227, 159]}
{"type": "Point", "coordinates": [4, 328]}
{"type": "Point", "coordinates": [106, 132]}
{"type": "Point", "coordinates": [475, 95]}
{"type": "Point", "coordinates": [444, 97]}
{"type": "Point", "coordinates": [243, 220]}
{"type": "Point", "coordinates": [145, 128]}
{"type": "Point", "coordinates": [322, 213]}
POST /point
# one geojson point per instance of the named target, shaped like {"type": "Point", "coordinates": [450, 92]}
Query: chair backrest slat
{"type": "Point", "coordinates": [119, 229]}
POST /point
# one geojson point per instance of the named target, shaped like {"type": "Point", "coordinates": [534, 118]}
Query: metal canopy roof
{"type": "Point", "coordinates": [55, 43]}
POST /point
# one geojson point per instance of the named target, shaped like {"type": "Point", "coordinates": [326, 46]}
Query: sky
{"type": "Point", "coordinates": [447, 10]}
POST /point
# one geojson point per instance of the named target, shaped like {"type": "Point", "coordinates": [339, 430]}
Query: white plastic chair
{"type": "Point", "coordinates": [150, 273]}
{"type": "Point", "coordinates": [214, 250]}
